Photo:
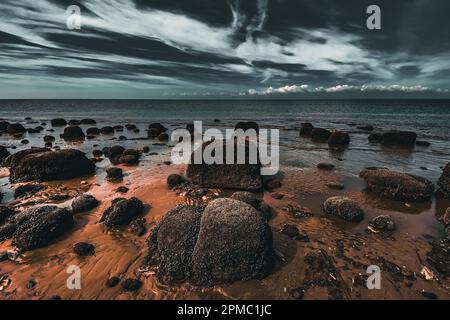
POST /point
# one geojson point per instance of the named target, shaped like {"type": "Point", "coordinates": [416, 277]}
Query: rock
{"type": "Point", "coordinates": [444, 219]}
{"type": "Point", "coordinates": [118, 128]}
{"type": "Point", "coordinates": [15, 128]}
{"type": "Point", "coordinates": [439, 256]}
{"type": "Point", "coordinates": [97, 153]}
{"type": "Point", "coordinates": [112, 282]}
{"type": "Point", "coordinates": [32, 130]}
{"type": "Point", "coordinates": [423, 143]}
{"type": "Point", "coordinates": [344, 208]}
{"type": "Point", "coordinates": [107, 130]}
{"type": "Point", "coordinates": [397, 186]}
{"type": "Point", "coordinates": [114, 174]}
{"type": "Point", "coordinates": [130, 127]}
{"type": "Point", "coordinates": [335, 186]}
{"type": "Point", "coordinates": [16, 157]}
{"type": "Point", "coordinates": [429, 295]}
{"type": "Point", "coordinates": [49, 138]}
{"type": "Point", "coordinates": [163, 137]}
{"type": "Point", "coordinates": [93, 131]}
{"type": "Point", "coordinates": [122, 189]}
{"type": "Point", "coordinates": [7, 230]}
{"type": "Point", "coordinates": [234, 243]}
{"type": "Point", "coordinates": [27, 190]}
{"type": "Point", "coordinates": [40, 225]}
{"type": "Point", "coordinates": [245, 176]}
{"type": "Point", "coordinates": [320, 135]}
{"type": "Point", "coordinates": [45, 165]}
{"type": "Point", "coordinates": [31, 284]}
{"type": "Point", "coordinates": [376, 137]}
{"type": "Point", "coordinates": [171, 244]}
{"type": "Point", "coordinates": [247, 197]}
{"type": "Point", "coordinates": [365, 128]}
{"type": "Point", "coordinates": [297, 210]}
{"type": "Point", "coordinates": [137, 227]}
{"type": "Point", "coordinates": [84, 249]}
{"type": "Point", "coordinates": [83, 203]}
{"type": "Point", "coordinates": [122, 212]}
{"type": "Point", "coordinates": [73, 132]}
{"type": "Point", "coordinates": [146, 149]}
{"type": "Point", "coordinates": [4, 126]}
{"type": "Point", "coordinates": [74, 123]}
{"type": "Point", "coordinates": [58, 122]}
{"type": "Point", "coordinates": [88, 121]}
{"type": "Point", "coordinates": [247, 126]}
{"type": "Point", "coordinates": [399, 139]}
{"type": "Point", "coordinates": [48, 144]}
{"type": "Point", "coordinates": [155, 129]}
{"type": "Point", "coordinates": [383, 223]}
{"type": "Point", "coordinates": [272, 184]}
{"type": "Point", "coordinates": [4, 256]}
{"type": "Point", "coordinates": [292, 232]}
{"type": "Point", "coordinates": [327, 166]}
{"type": "Point", "coordinates": [131, 285]}
{"type": "Point", "coordinates": [444, 182]}
{"type": "Point", "coordinates": [4, 153]}
{"type": "Point", "coordinates": [174, 180]}
{"type": "Point", "coordinates": [216, 120]}
{"type": "Point", "coordinates": [128, 159]}
{"type": "Point", "coordinates": [339, 139]}
{"type": "Point", "coordinates": [113, 151]}
{"type": "Point", "coordinates": [306, 129]}
{"type": "Point", "coordinates": [5, 214]}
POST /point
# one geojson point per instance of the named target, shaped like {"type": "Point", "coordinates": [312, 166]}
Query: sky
{"type": "Point", "coordinates": [224, 49]}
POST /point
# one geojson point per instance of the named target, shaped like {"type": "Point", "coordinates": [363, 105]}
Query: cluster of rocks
{"type": "Point", "coordinates": [335, 139]}
{"type": "Point", "coordinates": [227, 241]}
{"type": "Point", "coordinates": [394, 138]}
{"type": "Point", "coordinates": [120, 155]}
{"type": "Point", "coordinates": [158, 131]}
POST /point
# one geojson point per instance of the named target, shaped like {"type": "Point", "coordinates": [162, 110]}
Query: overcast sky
{"type": "Point", "coordinates": [224, 49]}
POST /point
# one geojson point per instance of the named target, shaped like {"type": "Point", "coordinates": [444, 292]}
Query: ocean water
{"type": "Point", "coordinates": [430, 119]}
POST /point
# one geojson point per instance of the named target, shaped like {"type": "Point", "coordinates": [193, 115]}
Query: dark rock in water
{"type": "Point", "coordinates": [137, 227]}
{"type": "Point", "coordinates": [153, 133]}
{"type": "Point", "coordinates": [114, 174]}
{"type": "Point", "coordinates": [306, 129]}
{"type": "Point", "coordinates": [131, 285]}
{"type": "Point", "coordinates": [84, 203]}
{"type": "Point", "coordinates": [398, 186]}
{"type": "Point", "coordinates": [383, 223]}
{"type": "Point", "coordinates": [146, 149]}
{"type": "Point", "coordinates": [58, 122]}
{"type": "Point", "coordinates": [399, 139]}
{"type": "Point", "coordinates": [93, 131]}
{"type": "Point", "coordinates": [118, 128]}
{"type": "Point", "coordinates": [216, 120]}
{"type": "Point", "coordinates": [49, 138]}
{"type": "Point", "coordinates": [157, 126]}
{"type": "Point", "coordinates": [122, 189]}
{"type": "Point", "coordinates": [5, 214]}
{"type": "Point", "coordinates": [4, 153]}
{"type": "Point", "coordinates": [107, 130]}
{"type": "Point", "coordinates": [122, 212]}
{"type": "Point", "coordinates": [344, 208]}
{"type": "Point", "coordinates": [174, 180]}
{"type": "Point", "coordinates": [97, 153]}
{"type": "Point", "coordinates": [245, 176]}
{"type": "Point", "coordinates": [112, 282]}
{"type": "Point", "coordinates": [171, 244]}
{"type": "Point", "coordinates": [234, 243]}
{"type": "Point", "coordinates": [73, 133]}
{"type": "Point", "coordinates": [17, 135]}
{"type": "Point", "coordinates": [113, 152]}
{"type": "Point", "coordinates": [48, 144]}
{"type": "Point", "coordinates": [74, 122]}
{"type": "Point", "coordinates": [244, 126]}
{"type": "Point", "coordinates": [327, 166]}
{"type": "Point", "coordinates": [14, 128]}
{"type": "Point", "coordinates": [84, 249]}
{"type": "Point", "coordinates": [38, 226]}
{"type": "Point", "coordinates": [32, 130]}
{"type": "Point", "coordinates": [339, 139]}
{"type": "Point", "coordinates": [376, 137]}
{"type": "Point", "coordinates": [4, 126]}
{"type": "Point", "coordinates": [320, 135]}
{"type": "Point", "coordinates": [365, 128]}
{"type": "Point", "coordinates": [88, 121]}
{"type": "Point", "coordinates": [272, 184]}
{"type": "Point", "coordinates": [27, 190]}
{"type": "Point", "coordinates": [444, 182]}
{"type": "Point", "coordinates": [292, 232]}
{"type": "Point", "coordinates": [45, 165]}
{"type": "Point", "coordinates": [423, 143]}
{"type": "Point", "coordinates": [130, 126]}
{"type": "Point", "coordinates": [335, 186]}
{"type": "Point", "coordinates": [163, 137]}
{"type": "Point", "coordinates": [129, 159]}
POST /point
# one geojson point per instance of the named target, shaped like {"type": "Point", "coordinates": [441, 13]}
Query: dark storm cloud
{"type": "Point", "coordinates": [155, 48]}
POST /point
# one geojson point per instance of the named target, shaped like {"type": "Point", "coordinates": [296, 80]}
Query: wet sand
{"type": "Point", "coordinates": [340, 251]}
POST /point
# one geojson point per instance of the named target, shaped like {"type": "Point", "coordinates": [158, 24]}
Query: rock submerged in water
{"type": "Point", "coordinates": [47, 165]}
{"type": "Point", "coordinates": [339, 139]}
{"type": "Point", "coordinates": [394, 138]}
{"type": "Point", "coordinates": [344, 208]}
{"type": "Point", "coordinates": [229, 241]}
{"type": "Point", "coordinates": [326, 166]}
{"type": "Point", "coordinates": [397, 186]}
{"type": "Point", "coordinates": [122, 212]}
{"type": "Point", "coordinates": [15, 128]}
{"type": "Point", "coordinates": [73, 132]}
{"type": "Point", "coordinates": [84, 203]}
{"type": "Point", "coordinates": [444, 182]}
{"type": "Point", "coordinates": [320, 135]}
{"type": "Point", "coordinates": [383, 223]}
{"type": "Point", "coordinates": [114, 174]}
{"type": "Point", "coordinates": [36, 227]}
{"type": "Point", "coordinates": [245, 176]}
{"type": "Point", "coordinates": [58, 122]}
{"type": "Point", "coordinates": [306, 129]}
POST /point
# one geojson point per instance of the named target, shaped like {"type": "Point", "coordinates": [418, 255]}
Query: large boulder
{"type": "Point", "coordinates": [444, 182]}
{"type": "Point", "coordinates": [396, 138]}
{"type": "Point", "coordinates": [234, 243]}
{"type": "Point", "coordinates": [339, 139]}
{"type": "Point", "coordinates": [320, 135]}
{"type": "Point", "coordinates": [397, 186]}
{"type": "Point", "coordinates": [83, 203]}
{"type": "Point", "coordinates": [45, 165]}
{"type": "Point", "coordinates": [172, 243]}
{"type": "Point", "coordinates": [14, 128]}
{"type": "Point", "coordinates": [122, 212]}
{"type": "Point", "coordinates": [344, 208]}
{"type": "Point", "coordinates": [73, 132]}
{"type": "Point", "coordinates": [16, 157]}
{"type": "Point", "coordinates": [36, 227]}
{"type": "Point", "coordinates": [245, 176]}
